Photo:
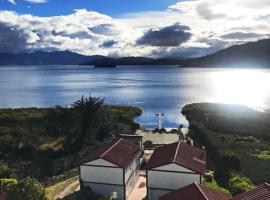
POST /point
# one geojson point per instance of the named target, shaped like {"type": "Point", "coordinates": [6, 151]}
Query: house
{"type": "Point", "coordinates": [261, 192]}
{"type": "Point", "coordinates": [195, 191]}
{"type": "Point", "coordinates": [112, 168]}
{"type": "Point", "coordinates": [174, 166]}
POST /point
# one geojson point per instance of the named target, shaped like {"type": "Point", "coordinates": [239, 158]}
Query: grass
{"type": "Point", "coordinates": [265, 155]}
{"type": "Point", "coordinates": [53, 190]}
{"type": "Point", "coordinates": [214, 185]}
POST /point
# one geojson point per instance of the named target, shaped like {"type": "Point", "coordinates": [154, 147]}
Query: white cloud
{"type": "Point", "coordinates": [30, 1]}
{"type": "Point", "coordinates": [37, 1]}
{"type": "Point", "coordinates": [214, 24]}
{"type": "Point", "coordinates": [12, 1]}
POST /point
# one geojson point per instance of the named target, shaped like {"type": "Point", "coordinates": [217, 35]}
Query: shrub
{"type": "Point", "coordinates": [26, 189]}
{"type": "Point", "coordinates": [209, 176]}
{"type": "Point", "coordinates": [6, 183]}
{"type": "Point", "coordinates": [239, 183]}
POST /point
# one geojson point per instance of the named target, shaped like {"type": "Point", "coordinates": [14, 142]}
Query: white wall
{"type": "Point", "coordinates": [102, 174]}
{"type": "Point", "coordinates": [174, 167]}
{"type": "Point", "coordinates": [132, 182]}
{"type": "Point", "coordinates": [132, 167]}
{"type": "Point", "coordinates": [171, 180]}
{"type": "Point", "coordinates": [106, 189]}
{"type": "Point", "coordinates": [154, 194]}
{"type": "Point", "coordinates": [101, 162]}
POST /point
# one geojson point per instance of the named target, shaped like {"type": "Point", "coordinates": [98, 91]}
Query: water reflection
{"type": "Point", "coordinates": [155, 89]}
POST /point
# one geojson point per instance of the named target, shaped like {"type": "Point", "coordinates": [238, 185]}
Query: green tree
{"type": "Point", "coordinates": [239, 183]}
{"type": "Point", "coordinates": [86, 112]}
{"type": "Point", "coordinates": [26, 189]}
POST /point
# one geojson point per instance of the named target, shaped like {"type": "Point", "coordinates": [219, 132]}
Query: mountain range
{"type": "Point", "coordinates": [252, 54]}
{"type": "Point", "coordinates": [46, 58]}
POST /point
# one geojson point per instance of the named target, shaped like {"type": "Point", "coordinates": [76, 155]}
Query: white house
{"type": "Point", "coordinates": [113, 168]}
{"type": "Point", "coordinates": [174, 166]}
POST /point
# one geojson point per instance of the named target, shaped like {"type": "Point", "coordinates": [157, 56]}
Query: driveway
{"type": "Point", "coordinates": [139, 191]}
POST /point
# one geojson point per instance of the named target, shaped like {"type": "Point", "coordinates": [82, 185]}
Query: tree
{"type": "Point", "coordinates": [26, 189]}
{"type": "Point", "coordinates": [86, 111]}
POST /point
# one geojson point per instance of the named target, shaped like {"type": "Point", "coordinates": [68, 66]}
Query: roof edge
{"type": "Point", "coordinates": [198, 187]}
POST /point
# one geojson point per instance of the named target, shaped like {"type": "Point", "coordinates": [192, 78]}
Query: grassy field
{"type": "Point", "coordinates": [236, 138]}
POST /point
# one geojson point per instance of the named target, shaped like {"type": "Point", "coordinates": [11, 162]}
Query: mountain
{"type": "Point", "coordinates": [46, 58]}
{"type": "Point", "coordinates": [252, 54]}
{"type": "Point", "coordinates": [135, 61]}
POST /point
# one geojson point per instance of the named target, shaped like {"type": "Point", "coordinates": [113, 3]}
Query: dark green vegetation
{"type": "Point", "coordinates": [25, 189]}
{"type": "Point", "coordinates": [44, 142]}
{"type": "Point", "coordinates": [252, 54]}
{"type": "Point", "coordinates": [237, 140]}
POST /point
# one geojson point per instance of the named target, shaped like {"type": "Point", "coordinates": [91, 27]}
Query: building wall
{"type": "Point", "coordinates": [132, 174]}
{"type": "Point", "coordinates": [98, 174]}
{"type": "Point", "coordinates": [169, 177]}
{"type": "Point", "coordinates": [132, 182]}
{"type": "Point", "coordinates": [106, 190]}
{"type": "Point", "coordinates": [132, 167]}
{"type": "Point", "coordinates": [154, 194]}
{"type": "Point", "coordinates": [101, 162]}
{"type": "Point", "coordinates": [174, 167]}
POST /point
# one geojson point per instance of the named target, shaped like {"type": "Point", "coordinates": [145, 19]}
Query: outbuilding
{"type": "Point", "coordinates": [112, 168]}
{"type": "Point", "coordinates": [174, 166]}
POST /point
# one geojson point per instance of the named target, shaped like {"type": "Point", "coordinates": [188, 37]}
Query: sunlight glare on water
{"type": "Point", "coordinates": [246, 86]}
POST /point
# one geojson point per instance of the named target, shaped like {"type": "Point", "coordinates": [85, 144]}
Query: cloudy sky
{"type": "Point", "coordinates": [156, 28]}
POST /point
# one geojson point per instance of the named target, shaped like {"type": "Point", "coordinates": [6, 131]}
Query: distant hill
{"type": "Point", "coordinates": [136, 61]}
{"type": "Point", "coordinates": [46, 58]}
{"type": "Point", "coordinates": [252, 54]}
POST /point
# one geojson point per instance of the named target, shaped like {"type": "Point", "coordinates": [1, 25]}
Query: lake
{"type": "Point", "coordinates": [155, 89]}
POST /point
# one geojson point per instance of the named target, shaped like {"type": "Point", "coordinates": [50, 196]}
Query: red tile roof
{"type": "Point", "coordinates": [180, 153]}
{"type": "Point", "coordinates": [259, 193]}
{"type": "Point", "coordinates": [195, 192]}
{"type": "Point", "coordinates": [120, 152]}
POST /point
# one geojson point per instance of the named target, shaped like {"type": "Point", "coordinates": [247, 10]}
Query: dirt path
{"type": "Point", "coordinates": [69, 189]}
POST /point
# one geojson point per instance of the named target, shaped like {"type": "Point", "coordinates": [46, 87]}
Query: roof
{"type": "Point", "coordinates": [261, 192]}
{"type": "Point", "coordinates": [179, 153]}
{"type": "Point", "coordinates": [130, 136]}
{"type": "Point", "coordinates": [195, 192]}
{"type": "Point", "coordinates": [120, 152]}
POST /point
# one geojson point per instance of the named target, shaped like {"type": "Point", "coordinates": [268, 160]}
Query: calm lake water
{"type": "Point", "coordinates": [155, 89]}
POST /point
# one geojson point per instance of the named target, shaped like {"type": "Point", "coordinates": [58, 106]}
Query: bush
{"type": "Point", "coordinates": [148, 144]}
{"type": "Point", "coordinates": [209, 176]}
{"type": "Point", "coordinates": [239, 183]}
{"type": "Point", "coordinates": [6, 183]}
{"type": "Point", "coordinates": [26, 189]}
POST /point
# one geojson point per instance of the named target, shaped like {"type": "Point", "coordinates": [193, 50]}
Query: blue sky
{"type": "Point", "coordinates": [63, 7]}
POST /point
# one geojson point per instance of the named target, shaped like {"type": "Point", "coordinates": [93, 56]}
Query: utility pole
{"type": "Point", "coordinates": [159, 115]}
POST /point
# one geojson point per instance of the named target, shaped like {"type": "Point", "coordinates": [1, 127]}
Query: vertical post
{"type": "Point", "coordinates": [159, 115]}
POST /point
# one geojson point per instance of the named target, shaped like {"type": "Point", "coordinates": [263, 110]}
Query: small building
{"type": "Point", "coordinates": [195, 192]}
{"type": "Point", "coordinates": [112, 168]}
{"type": "Point", "coordinates": [174, 166]}
{"type": "Point", "coordinates": [261, 192]}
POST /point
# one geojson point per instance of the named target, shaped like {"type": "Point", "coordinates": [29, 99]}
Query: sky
{"type": "Point", "coordinates": [117, 28]}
